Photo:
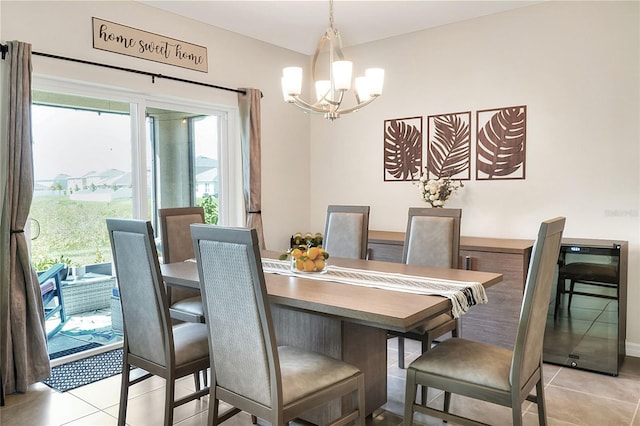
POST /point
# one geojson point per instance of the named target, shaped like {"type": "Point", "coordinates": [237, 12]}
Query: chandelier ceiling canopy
{"type": "Point", "coordinates": [330, 92]}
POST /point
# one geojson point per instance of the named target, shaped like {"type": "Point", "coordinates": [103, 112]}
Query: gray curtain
{"type": "Point", "coordinates": [249, 104]}
{"type": "Point", "coordinates": [23, 344]}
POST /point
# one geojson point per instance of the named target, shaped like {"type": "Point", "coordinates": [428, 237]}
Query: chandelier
{"type": "Point", "coordinates": [330, 93]}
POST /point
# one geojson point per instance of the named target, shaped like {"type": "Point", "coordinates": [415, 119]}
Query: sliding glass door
{"type": "Point", "coordinates": [82, 172]}
{"type": "Point", "coordinates": [185, 161]}
{"type": "Point", "coordinates": [98, 157]}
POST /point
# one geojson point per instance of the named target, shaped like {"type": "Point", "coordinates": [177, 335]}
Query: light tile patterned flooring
{"type": "Point", "coordinates": [574, 397]}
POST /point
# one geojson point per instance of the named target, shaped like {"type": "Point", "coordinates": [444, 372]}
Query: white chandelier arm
{"type": "Point", "coordinates": [332, 102]}
{"type": "Point", "coordinates": [357, 107]}
{"type": "Point", "coordinates": [332, 35]}
{"type": "Point", "coordinates": [297, 101]}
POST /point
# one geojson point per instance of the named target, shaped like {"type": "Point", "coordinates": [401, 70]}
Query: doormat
{"type": "Point", "coordinates": [75, 350]}
{"type": "Point", "coordinates": [82, 372]}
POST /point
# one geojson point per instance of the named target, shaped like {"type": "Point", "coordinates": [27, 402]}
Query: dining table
{"type": "Point", "coordinates": [348, 322]}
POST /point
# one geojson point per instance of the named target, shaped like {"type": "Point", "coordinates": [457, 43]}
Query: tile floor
{"type": "Point", "coordinates": [574, 397]}
{"type": "Point", "coordinates": [83, 328]}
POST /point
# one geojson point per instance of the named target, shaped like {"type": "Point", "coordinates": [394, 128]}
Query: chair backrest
{"type": "Point", "coordinates": [174, 227]}
{"type": "Point", "coordinates": [50, 278]}
{"type": "Point", "coordinates": [527, 354]}
{"type": "Point", "coordinates": [147, 330]}
{"type": "Point", "coordinates": [242, 341]}
{"type": "Point", "coordinates": [346, 232]}
{"type": "Point", "coordinates": [432, 237]}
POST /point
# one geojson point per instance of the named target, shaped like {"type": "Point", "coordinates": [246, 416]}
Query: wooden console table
{"type": "Point", "coordinates": [497, 321]}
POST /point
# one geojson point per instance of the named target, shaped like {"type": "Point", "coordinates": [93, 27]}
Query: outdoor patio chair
{"type": "Point", "coordinates": [52, 299]}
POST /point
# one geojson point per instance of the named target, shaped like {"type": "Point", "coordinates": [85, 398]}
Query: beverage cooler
{"type": "Point", "coordinates": [586, 323]}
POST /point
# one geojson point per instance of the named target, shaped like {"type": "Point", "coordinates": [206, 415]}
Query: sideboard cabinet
{"type": "Point", "coordinates": [495, 322]}
{"type": "Point", "coordinates": [593, 338]}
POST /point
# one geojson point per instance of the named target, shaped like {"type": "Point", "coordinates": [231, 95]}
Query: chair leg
{"type": "Point", "coordinates": [205, 378]}
{"type": "Point", "coordinates": [169, 400]}
{"type": "Point", "coordinates": [516, 410]}
{"type": "Point", "coordinates": [559, 292]}
{"type": "Point", "coordinates": [410, 397]}
{"type": "Point", "coordinates": [571, 287]}
{"type": "Point", "coordinates": [124, 391]}
{"type": "Point", "coordinates": [447, 401]}
{"type": "Point", "coordinates": [401, 352]}
{"type": "Point", "coordinates": [358, 401]}
{"type": "Point", "coordinates": [196, 380]}
{"type": "Point", "coordinates": [542, 411]}
{"type": "Point", "coordinates": [213, 408]}
{"type": "Point", "coordinates": [427, 342]}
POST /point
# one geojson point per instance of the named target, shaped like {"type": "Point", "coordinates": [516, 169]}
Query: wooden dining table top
{"type": "Point", "coordinates": [377, 307]}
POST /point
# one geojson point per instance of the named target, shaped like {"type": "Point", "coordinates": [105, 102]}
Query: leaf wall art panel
{"type": "Point", "coordinates": [501, 143]}
{"type": "Point", "coordinates": [449, 145]}
{"type": "Point", "coordinates": [402, 149]}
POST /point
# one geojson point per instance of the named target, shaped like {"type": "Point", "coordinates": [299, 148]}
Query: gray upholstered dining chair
{"type": "Point", "coordinates": [151, 342]}
{"type": "Point", "coordinates": [432, 239]}
{"type": "Point", "coordinates": [346, 231]}
{"type": "Point", "coordinates": [185, 304]}
{"type": "Point", "coordinates": [491, 373]}
{"type": "Point", "coordinates": [249, 371]}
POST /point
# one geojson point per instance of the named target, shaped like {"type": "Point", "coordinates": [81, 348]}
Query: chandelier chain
{"type": "Point", "coordinates": [331, 14]}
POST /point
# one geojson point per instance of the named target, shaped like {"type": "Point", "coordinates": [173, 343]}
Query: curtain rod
{"type": "Point", "coordinates": [5, 48]}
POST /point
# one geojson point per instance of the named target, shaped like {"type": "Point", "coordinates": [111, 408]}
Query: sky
{"type": "Point", "coordinates": [75, 142]}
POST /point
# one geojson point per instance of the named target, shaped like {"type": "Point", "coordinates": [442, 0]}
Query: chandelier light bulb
{"type": "Point", "coordinates": [342, 74]}
{"type": "Point", "coordinates": [375, 79]}
{"type": "Point", "coordinates": [287, 98]}
{"type": "Point", "coordinates": [292, 81]}
{"type": "Point", "coordinates": [362, 89]}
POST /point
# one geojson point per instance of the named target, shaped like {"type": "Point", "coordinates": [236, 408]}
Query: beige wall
{"type": "Point", "coordinates": [64, 28]}
{"type": "Point", "coordinates": [576, 65]}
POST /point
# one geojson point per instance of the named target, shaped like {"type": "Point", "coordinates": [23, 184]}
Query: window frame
{"type": "Point", "coordinates": [230, 158]}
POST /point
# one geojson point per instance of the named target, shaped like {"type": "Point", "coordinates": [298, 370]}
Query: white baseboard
{"type": "Point", "coordinates": [632, 349]}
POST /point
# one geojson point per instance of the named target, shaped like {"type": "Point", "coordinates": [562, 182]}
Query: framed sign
{"type": "Point", "coordinates": [129, 41]}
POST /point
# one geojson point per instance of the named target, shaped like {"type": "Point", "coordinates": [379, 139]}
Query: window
{"type": "Point", "coordinates": [100, 154]}
{"type": "Point", "coordinates": [82, 174]}
{"type": "Point", "coordinates": [186, 149]}
{"type": "Point", "coordinates": [85, 170]}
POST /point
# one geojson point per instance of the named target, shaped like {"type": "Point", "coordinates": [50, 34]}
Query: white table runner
{"type": "Point", "coordinates": [462, 294]}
